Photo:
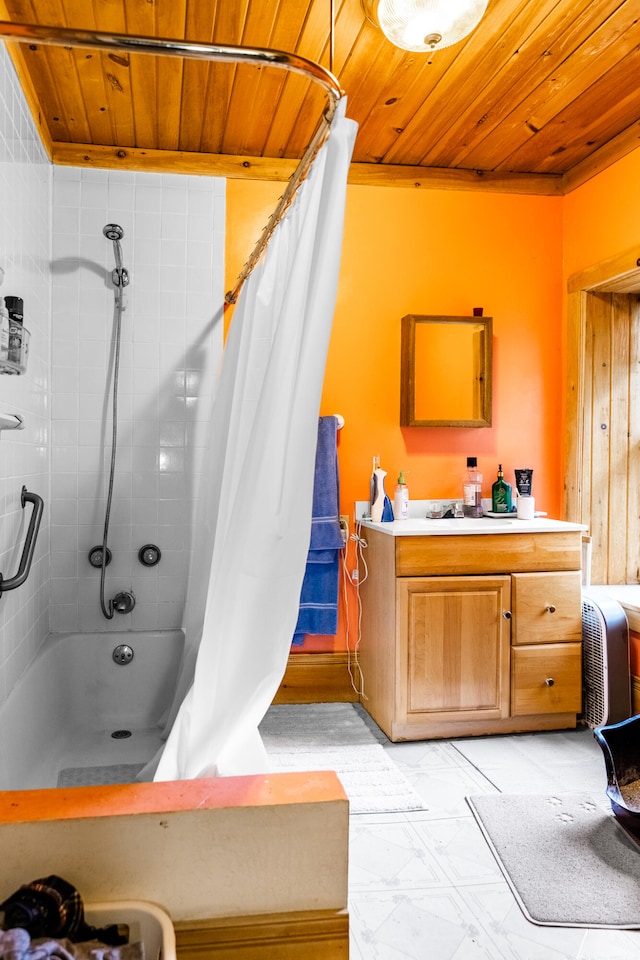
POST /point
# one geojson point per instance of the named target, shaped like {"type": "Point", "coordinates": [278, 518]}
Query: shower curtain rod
{"type": "Point", "coordinates": [221, 53]}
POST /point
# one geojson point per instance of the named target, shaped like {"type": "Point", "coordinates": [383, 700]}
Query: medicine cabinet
{"type": "Point", "coordinates": [445, 371]}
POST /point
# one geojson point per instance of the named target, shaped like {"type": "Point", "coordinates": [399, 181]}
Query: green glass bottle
{"type": "Point", "coordinates": [501, 494]}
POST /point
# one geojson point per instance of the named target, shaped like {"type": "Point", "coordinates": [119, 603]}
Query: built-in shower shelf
{"type": "Point", "coordinates": [12, 366]}
{"type": "Point", "coordinates": [6, 366]}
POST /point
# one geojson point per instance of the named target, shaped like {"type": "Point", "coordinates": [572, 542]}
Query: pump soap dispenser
{"type": "Point", "coordinates": [401, 499]}
{"type": "Point", "coordinates": [501, 493]}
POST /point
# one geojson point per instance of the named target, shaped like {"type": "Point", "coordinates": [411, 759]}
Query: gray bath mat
{"type": "Point", "coordinates": [333, 736]}
{"type": "Point", "coordinates": [567, 860]}
{"type": "Point", "coordinates": [99, 776]}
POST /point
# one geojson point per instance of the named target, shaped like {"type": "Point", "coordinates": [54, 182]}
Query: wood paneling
{"type": "Point", "coordinates": [319, 678]}
{"type": "Point", "coordinates": [546, 678]}
{"type": "Point", "coordinates": [603, 421]}
{"type": "Point", "coordinates": [543, 91]}
{"type": "Point", "coordinates": [314, 935]}
{"type": "Point", "coordinates": [546, 606]}
{"type": "Point", "coordinates": [484, 553]}
{"type": "Point", "coordinates": [454, 647]}
{"type": "Point", "coordinates": [436, 650]}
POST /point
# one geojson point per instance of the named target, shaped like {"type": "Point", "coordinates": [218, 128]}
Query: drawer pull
{"type": "Point", "coordinates": [549, 681]}
{"type": "Point", "coordinates": [507, 614]}
{"type": "Point", "coordinates": [550, 608]}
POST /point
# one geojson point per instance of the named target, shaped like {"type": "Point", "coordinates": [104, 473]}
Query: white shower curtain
{"type": "Point", "coordinates": [262, 456]}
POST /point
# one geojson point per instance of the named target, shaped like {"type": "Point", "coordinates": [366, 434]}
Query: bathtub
{"type": "Point", "coordinates": [62, 714]}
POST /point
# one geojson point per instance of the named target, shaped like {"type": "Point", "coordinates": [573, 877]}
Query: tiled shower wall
{"type": "Point", "coordinates": [55, 256]}
{"type": "Point", "coordinates": [25, 250]}
{"type": "Point", "coordinates": [171, 336]}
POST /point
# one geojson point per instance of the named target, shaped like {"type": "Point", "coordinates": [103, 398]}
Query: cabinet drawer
{"type": "Point", "coordinates": [546, 679]}
{"type": "Point", "coordinates": [546, 607]}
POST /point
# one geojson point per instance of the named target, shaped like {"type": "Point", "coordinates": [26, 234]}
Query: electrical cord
{"type": "Point", "coordinates": [353, 662]}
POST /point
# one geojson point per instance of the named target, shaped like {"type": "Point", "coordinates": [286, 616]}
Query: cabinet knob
{"type": "Point", "coordinates": [507, 614]}
{"type": "Point", "coordinates": [550, 608]}
{"type": "Point", "coordinates": [549, 681]}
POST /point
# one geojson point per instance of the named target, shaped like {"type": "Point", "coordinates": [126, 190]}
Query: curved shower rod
{"type": "Point", "coordinates": [220, 53]}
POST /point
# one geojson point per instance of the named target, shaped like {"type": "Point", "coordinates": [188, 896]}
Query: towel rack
{"type": "Point", "coordinates": [29, 543]}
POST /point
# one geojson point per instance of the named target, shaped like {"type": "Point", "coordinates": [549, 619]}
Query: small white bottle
{"type": "Point", "coordinates": [401, 499]}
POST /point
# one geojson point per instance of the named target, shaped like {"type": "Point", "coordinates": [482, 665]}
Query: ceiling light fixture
{"type": "Point", "coordinates": [425, 25]}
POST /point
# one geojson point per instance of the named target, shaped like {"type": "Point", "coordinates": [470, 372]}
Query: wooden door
{"type": "Point", "coordinates": [454, 647]}
{"type": "Point", "coordinates": [602, 483]}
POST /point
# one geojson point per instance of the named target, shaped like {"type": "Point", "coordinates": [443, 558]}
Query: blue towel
{"type": "Point", "coordinates": [319, 595]}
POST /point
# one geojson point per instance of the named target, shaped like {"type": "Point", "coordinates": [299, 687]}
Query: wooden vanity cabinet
{"type": "Point", "coordinates": [471, 634]}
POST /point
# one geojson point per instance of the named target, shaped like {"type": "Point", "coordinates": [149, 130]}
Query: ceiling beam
{"type": "Point", "coordinates": [444, 178]}
{"type": "Point", "coordinates": [615, 149]}
{"type": "Point", "coordinates": [264, 168]}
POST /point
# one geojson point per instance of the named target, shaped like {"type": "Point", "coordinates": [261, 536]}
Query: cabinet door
{"type": "Point", "coordinates": [547, 679]}
{"type": "Point", "coordinates": [547, 607]}
{"type": "Point", "coordinates": [454, 647]}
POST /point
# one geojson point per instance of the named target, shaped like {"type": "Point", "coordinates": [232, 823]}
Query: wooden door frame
{"type": "Point", "coordinates": [619, 274]}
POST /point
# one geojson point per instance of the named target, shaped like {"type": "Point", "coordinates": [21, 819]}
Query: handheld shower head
{"type": "Point", "coordinates": [113, 231]}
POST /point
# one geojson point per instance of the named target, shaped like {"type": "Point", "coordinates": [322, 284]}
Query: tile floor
{"type": "Point", "coordinates": [425, 886]}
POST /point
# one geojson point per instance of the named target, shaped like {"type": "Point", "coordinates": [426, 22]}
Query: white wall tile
{"type": "Point", "coordinates": [25, 255]}
{"type": "Point", "coordinates": [55, 255]}
{"type": "Point", "coordinates": [173, 288]}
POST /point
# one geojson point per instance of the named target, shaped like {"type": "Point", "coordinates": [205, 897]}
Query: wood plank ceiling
{"type": "Point", "coordinates": [540, 97]}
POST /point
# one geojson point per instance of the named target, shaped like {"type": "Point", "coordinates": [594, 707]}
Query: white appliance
{"type": "Point", "coordinates": [606, 678]}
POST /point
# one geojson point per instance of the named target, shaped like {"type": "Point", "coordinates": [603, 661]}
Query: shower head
{"type": "Point", "coordinates": [113, 231]}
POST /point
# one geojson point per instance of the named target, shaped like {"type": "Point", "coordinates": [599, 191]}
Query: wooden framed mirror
{"type": "Point", "coordinates": [446, 371]}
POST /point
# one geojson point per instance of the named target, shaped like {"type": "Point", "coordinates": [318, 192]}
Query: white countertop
{"type": "Point", "coordinates": [422, 527]}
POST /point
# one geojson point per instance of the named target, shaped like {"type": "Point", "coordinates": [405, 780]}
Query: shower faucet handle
{"type": "Point", "coordinates": [124, 602]}
{"type": "Point", "coordinates": [149, 555]}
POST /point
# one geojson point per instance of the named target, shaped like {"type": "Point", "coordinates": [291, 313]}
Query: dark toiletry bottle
{"type": "Point", "coordinates": [501, 494]}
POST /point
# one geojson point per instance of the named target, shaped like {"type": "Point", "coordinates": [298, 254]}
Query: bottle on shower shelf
{"type": "Point", "coordinates": [15, 309]}
{"type": "Point", "coordinates": [4, 331]}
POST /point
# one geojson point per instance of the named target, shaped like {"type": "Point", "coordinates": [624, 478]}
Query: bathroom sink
{"type": "Point", "coordinates": [463, 524]}
{"type": "Point", "coordinates": [454, 525]}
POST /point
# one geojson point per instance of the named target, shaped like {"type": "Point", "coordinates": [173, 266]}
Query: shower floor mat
{"type": "Point", "coordinates": [113, 773]}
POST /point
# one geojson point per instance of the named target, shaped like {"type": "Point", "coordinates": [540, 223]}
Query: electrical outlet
{"type": "Point", "coordinates": [344, 527]}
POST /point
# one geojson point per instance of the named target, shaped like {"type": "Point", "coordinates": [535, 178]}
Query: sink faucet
{"type": "Point", "coordinates": [438, 510]}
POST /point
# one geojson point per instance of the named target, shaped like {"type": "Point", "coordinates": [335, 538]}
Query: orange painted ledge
{"type": "Point", "coordinates": [263, 790]}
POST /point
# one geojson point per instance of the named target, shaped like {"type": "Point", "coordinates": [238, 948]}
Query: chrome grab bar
{"type": "Point", "coordinates": [29, 543]}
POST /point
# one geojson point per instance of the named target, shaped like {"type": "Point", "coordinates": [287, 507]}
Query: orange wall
{"type": "Point", "coordinates": [436, 252]}
{"type": "Point", "coordinates": [410, 251]}
{"type": "Point", "coordinates": [602, 217]}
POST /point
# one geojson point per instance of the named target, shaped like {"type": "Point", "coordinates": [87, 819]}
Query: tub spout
{"type": "Point", "coordinates": [123, 602]}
